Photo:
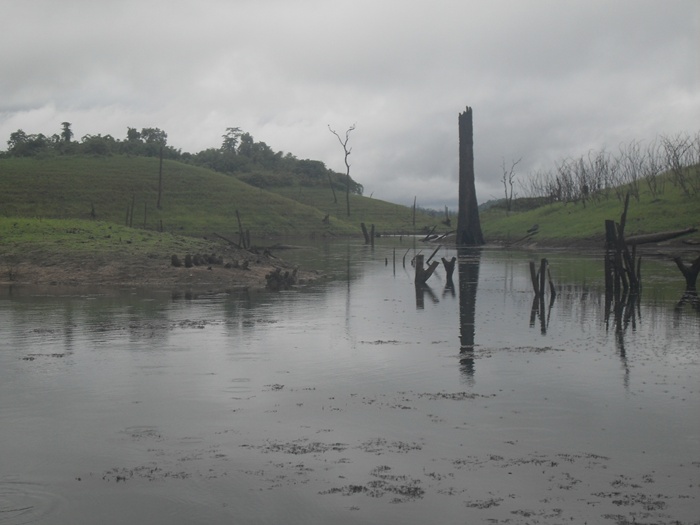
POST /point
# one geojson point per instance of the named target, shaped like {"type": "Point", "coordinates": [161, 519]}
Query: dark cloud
{"type": "Point", "coordinates": [546, 79]}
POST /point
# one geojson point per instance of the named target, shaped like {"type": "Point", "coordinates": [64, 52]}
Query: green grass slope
{"type": "Point", "coordinates": [195, 201]}
{"type": "Point", "coordinates": [564, 222]}
{"type": "Point", "coordinates": [386, 216]}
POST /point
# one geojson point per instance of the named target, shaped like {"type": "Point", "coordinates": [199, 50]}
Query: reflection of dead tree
{"type": "Point", "coordinates": [469, 262]}
{"type": "Point", "coordinates": [539, 285]}
{"type": "Point", "coordinates": [624, 310]}
{"type": "Point", "coordinates": [691, 298]}
{"type": "Point", "coordinates": [421, 291]}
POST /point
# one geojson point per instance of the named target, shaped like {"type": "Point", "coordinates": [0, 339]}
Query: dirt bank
{"type": "Point", "coordinates": [235, 269]}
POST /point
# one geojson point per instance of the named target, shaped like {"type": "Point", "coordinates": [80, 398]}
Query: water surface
{"type": "Point", "coordinates": [356, 399]}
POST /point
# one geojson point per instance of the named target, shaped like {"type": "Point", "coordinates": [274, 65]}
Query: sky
{"type": "Point", "coordinates": [546, 79]}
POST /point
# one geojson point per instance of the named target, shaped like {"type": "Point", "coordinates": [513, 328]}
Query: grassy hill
{"type": "Point", "coordinates": [198, 202]}
{"type": "Point", "coordinates": [195, 201]}
{"type": "Point", "coordinates": [571, 221]}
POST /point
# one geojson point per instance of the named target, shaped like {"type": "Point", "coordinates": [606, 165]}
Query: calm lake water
{"type": "Point", "coordinates": [355, 399]}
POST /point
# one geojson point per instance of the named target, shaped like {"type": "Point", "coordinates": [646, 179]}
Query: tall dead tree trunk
{"type": "Point", "coordinates": [468, 224]}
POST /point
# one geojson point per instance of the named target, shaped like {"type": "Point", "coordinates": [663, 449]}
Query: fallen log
{"type": "Point", "coordinates": [657, 237]}
{"type": "Point", "coordinates": [228, 241]}
{"type": "Point", "coordinates": [524, 238]}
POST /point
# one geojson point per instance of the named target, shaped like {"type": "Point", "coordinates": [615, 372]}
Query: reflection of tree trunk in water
{"type": "Point", "coordinates": [625, 310]}
{"type": "Point", "coordinates": [421, 290]}
{"type": "Point", "coordinates": [538, 311]}
{"type": "Point", "coordinates": [468, 280]}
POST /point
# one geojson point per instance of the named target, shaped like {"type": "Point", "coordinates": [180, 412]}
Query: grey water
{"type": "Point", "coordinates": [355, 399]}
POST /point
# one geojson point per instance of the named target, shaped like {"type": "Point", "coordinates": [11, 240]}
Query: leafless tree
{"type": "Point", "coordinates": [677, 151]}
{"type": "Point", "coordinates": [347, 151]}
{"type": "Point", "coordinates": [653, 168]}
{"type": "Point", "coordinates": [600, 173]}
{"type": "Point", "coordinates": [509, 181]}
{"type": "Point", "coordinates": [631, 166]}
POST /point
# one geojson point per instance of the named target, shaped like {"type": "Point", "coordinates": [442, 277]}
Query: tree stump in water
{"type": "Point", "coordinates": [422, 273]}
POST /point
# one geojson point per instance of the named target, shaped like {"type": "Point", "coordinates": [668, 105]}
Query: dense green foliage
{"type": "Point", "coordinates": [239, 155]}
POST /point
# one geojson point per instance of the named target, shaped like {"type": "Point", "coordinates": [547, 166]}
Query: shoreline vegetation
{"type": "Point", "coordinates": [74, 215]}
{"type": "Point", "coordinates": [70, 252]}
{"type": "Point", "coordinates": [81, 253]}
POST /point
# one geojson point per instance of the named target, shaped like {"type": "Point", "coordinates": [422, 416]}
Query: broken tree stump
{"type": "Point", "coordinates": [422, 273]}
{"type": "Point", "coordinates": [449, 268]}
{"type": "Point", "coordinates": [689, 272]}
{"type": "Point", "coordinates": [621, 272]}
{"type": "Point", "coordinates": [364, 232]}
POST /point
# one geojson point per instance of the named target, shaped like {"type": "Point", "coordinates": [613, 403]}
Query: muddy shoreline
{"type": "Point", "coordinates": [235, 269]}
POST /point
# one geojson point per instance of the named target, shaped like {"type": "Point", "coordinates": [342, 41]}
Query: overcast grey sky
{"type": "Point", "coordinates": [546, 79]}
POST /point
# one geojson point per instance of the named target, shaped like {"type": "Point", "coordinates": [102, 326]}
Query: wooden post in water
{"type": "Point", "coordinates": [364, 232]}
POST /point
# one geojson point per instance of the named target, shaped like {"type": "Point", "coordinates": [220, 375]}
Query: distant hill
{"type": "Point", "coordinates": [194, 201]}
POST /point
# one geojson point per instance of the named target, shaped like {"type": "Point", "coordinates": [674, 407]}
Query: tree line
{"type": "Point", "coordinates": [603, 174]}
{"type": "Point", "coordinates": [239, 154]}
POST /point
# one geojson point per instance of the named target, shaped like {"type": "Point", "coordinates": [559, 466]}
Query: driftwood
{"type": "Point", "coordinates": [433, 254]}
{"type": "Point", "coordinates": [430, 233]}
{"type": "Point", "coordinates": [658, 237]}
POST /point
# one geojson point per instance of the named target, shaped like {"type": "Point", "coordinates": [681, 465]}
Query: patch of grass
{"type": "Point", "coordinates": [195, 201]}
{"type": "Point", "coordinates": [559, 221]}
{"type": "Point", "coordinates": [93, 238]}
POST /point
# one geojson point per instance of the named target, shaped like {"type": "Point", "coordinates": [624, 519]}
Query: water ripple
{"type": "Point", "coordinates": [24, 502]}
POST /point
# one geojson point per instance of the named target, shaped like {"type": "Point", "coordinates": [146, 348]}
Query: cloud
{"type": "Point", "coordinates": [545, 79]}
